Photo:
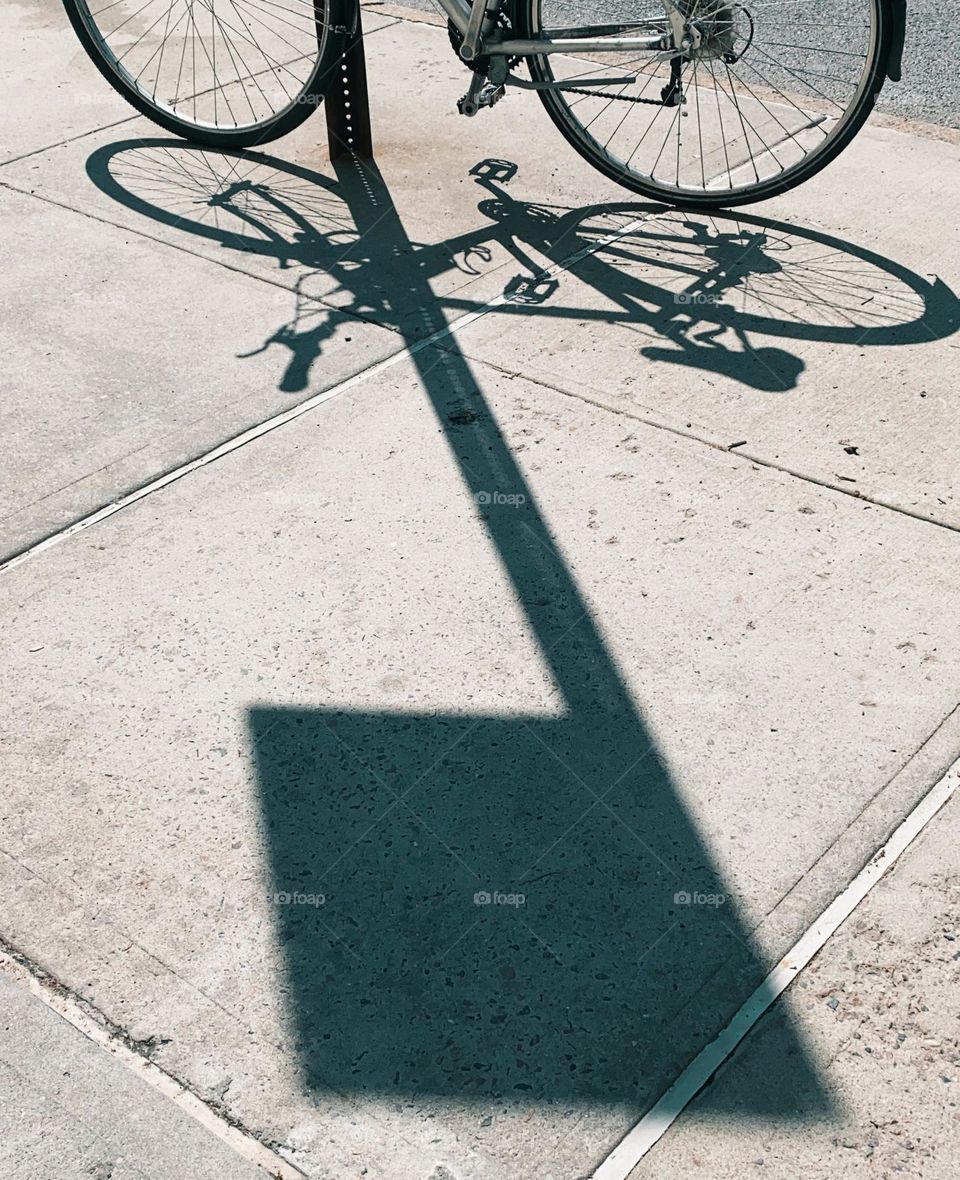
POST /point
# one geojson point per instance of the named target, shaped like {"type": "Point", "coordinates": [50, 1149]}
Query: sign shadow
{"type": "Point", "coordinates": [514, 907]}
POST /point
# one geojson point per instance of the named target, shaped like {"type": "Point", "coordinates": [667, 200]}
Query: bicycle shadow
{"type": "Point", "coordinates": [697, 287]}
{"type": "Point", "coordinates": [734, 257]}
{"type": "Point", "coordinates": [504, 907]}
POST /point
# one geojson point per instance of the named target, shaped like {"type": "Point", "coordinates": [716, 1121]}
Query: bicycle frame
{"type": "Point", "coordinates": [780, 115]}
{"type": "Point", "coordinates": [469, 19]}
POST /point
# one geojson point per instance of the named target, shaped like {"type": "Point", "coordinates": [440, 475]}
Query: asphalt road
{"type": "Point", "coordinates": [930, 89]}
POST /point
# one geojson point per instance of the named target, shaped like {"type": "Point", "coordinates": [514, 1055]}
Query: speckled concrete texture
{"type": "Point", "coordinates": [878, 1008]}
{"type": "Point", "coordinates": [425, 782]}
{"type": "Point", "coordinates": [410, 653]}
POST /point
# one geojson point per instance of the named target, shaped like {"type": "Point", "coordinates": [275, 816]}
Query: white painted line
{"type": "Point", "coordinates": [66, 1006]}
{"type": "Point", "coordinates": [304, 407]}
{"type": "Point", "coordinates": [654, 1124]}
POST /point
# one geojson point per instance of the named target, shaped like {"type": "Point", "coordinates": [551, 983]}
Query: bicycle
{"type": "Point", "coordinates": [699, 104]}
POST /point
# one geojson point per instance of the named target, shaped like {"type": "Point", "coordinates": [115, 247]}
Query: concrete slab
{"type": "Point", "coordinates": [877, 1007]}
{"type": "Point", "coordinates": [459, 587]}
{"type": "Point", "coordinates": [53, 92]}
{"type": "Point", "coordinates": [499, 604]}
{"type": "Point", "coordinates": [71, 1111]}
{"type": "Point", "coordinates": [819, 337]}
{"type": "Point", "coordinates": [122, 358]}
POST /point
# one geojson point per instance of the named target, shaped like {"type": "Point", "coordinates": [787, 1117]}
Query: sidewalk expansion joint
{"type": "Point", "coordinates": [657, 1121]}
{"type": "Point", "coordinates": [873, 799]}
{"type": "Point", "coordinates": [733, 449]}
{"type": "Point", "coordinates": [135, 1055]}
{"type": "Point", "coordinates": [70, 139]}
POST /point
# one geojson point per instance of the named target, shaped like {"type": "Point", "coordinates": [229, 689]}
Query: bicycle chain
{"type": "Point", "coordinates": [670, 96]}
{"type": "Point", "coordinates": [480, 65]}
{"type": "Point", "coordinates": [653, 102]}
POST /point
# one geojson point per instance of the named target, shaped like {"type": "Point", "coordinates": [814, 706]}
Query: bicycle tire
{"type": "Point", "coordinates": [333, 44]}
{"type": "Point", "coordinates": [528, 21]}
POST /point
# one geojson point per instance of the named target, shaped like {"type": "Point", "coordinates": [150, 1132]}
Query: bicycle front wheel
{"type": "Point", "coordinates": [766, 93]}
{"type": "Point", "coordinates": [228, 73]}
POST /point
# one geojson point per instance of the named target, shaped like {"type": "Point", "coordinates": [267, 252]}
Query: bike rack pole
{"type": "Point", "coordinates": [346, 102]}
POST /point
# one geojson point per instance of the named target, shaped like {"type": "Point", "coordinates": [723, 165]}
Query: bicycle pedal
{"type": "Point", "coordinates": [489, 95]}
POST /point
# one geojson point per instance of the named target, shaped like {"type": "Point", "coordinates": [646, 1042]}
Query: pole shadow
{"type": "Point", "coordinates": [511, 908]}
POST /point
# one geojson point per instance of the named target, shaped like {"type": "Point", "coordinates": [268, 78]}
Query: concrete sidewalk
{"type": "Point", "coordinates": [878, 1008]}
{"type": "Point", "coordinates": [361, 775]}
{"type": "Point", "coordinates": [71, 1109]}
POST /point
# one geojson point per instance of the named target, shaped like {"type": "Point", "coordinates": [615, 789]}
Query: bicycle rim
{"type": "Point", "coordinates": [230, 68]}
{"type": "Point", "coordinates": [770, 92]}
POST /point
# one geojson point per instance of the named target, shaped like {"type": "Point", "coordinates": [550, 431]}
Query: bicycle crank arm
{"type": "Point", "coordinates": [481, 94]}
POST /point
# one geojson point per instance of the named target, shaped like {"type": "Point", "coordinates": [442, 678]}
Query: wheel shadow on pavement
{"type": "Point", "coordinates": [716, 293]}
{"type": "Point", "coordinates": [514, 907]}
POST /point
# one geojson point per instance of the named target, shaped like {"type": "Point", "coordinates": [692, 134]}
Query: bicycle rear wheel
{"type": "Point", "coordinates": [228, 73]}
{"type": "Point", "coordinates": [769, 92]}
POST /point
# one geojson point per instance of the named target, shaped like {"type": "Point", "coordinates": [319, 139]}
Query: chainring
{"type": "Point", "coordinates": [481, 65]}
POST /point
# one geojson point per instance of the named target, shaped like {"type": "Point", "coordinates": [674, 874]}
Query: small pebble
{"type": "Point", "coordinates": [833, 1004]}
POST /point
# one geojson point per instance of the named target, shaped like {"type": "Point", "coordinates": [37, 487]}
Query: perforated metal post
{"type": "Point", "coordinates": [346, 103]}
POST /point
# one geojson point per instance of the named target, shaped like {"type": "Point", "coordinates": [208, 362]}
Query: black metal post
{"type": "Point", "coordinates": [346, 102]}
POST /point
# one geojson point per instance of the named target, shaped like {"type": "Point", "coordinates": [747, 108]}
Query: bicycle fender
{"type": "Point", "coordinates": [898, 33]}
